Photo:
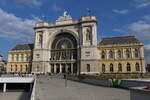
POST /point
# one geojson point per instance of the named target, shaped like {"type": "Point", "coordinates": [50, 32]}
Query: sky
{"type": "Point", "coordinates": [115, 18]}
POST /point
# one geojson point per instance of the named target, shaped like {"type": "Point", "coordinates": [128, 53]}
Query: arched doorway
{"type": "Point", "coordinates": [64, 53]}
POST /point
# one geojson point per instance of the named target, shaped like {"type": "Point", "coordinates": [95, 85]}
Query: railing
{"type": "Point", "coordinates": [33, 90]}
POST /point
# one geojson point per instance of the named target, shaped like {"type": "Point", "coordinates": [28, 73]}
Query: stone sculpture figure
{"type": "Point", "coordinates": [88, 33]}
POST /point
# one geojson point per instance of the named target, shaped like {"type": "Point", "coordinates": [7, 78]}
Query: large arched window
{"type": "Point", "coordinates": [103, 68]}
{"type": "Point", "coordinates": [119, 67]}
{"type": "Point", "coordinates": [137, 67]}
{"type": "Point", "coordinates": [128, 67]}
{"type": "Point", "coordinates": [64, 47]}
{"type": "Point", "coordinates": [111, 55]}
{"type": "Point", "coordinates": [119, 54]}
{"type": "Point", "coordinates": [103, 54]}
{"type": "Point", "coordinates": [128, 54]}
{"type": "Point", "coordinates": [136, 53]}
{"type": "Point", "coordinates": [111, 67]}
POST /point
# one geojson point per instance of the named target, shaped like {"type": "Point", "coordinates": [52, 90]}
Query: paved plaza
{"type": "Point", "coordinates": [48, 88]}
{"type": "Point", "coordinates": [15, 96]}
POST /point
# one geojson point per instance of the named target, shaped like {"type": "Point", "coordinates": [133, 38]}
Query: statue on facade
{"type": "Point", "coordinates": [88, 33]}
{"type": "Point", "coordinates": [40, 39]}
{"type": "Point", "coordinates": [65, 13]}
{"type": "Point", "coordinates": [65, 16]}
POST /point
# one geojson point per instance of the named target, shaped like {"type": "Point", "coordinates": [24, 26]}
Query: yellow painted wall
{"type": "Point", "coordinates": [115, 61]}
{"type": "Point", "coordinates": [13, 62]}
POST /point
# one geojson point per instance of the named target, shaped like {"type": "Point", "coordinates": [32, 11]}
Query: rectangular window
{"type": "Point", "coordinates": [88, 67]}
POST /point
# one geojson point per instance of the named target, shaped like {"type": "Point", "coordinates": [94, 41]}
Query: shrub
{"type": "Point", "coordinates": [112, 76]}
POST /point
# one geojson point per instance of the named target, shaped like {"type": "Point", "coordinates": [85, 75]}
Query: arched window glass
{"type": "Point", "coordinates": [137, 67]}
{"type": "Point", "coordinates": [26, 67]}
{"type": "Point", "coordinates": [111, 68]}
{"type": "Point", "coordinates": [136, 53]}
{"type": "Point", "coordinates": [111, 54]}
{"type": "Point", "coordinates": [119, 67]}
{"type": "Point", "coordinates": [128, 53]}
{"type": "Point", "coordinates": [11, 68]}
{"type": "Point", "coordinates": [21, 68]}
{"type": "Point", "coordinates": [88, 67]}
{"type": "Point", "coordinates": [119, 54]}
{"type": "Point", "coordinates": [128, 67]}
{"type": "Point", "coordinates": [103, 68]}
{"type": "Point", "coordinates": [103, 54]}
{"type": "Point", "coordinates": [16, 68]}
{"type": "Point", "coordinates": [38, 68]}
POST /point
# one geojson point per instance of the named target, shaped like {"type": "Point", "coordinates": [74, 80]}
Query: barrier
{"type": "Point", "coordinates": [33, 90]}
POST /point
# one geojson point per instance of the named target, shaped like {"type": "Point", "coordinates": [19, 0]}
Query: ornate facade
{"type": "Point", "coordinates": [70, 46]}
{"type": "Point", "coordinates": [66, 46]}
{"type": "Point", "coordinates": [20, 59]}
{"type": "Point", "coordinates": [2, 64]}
{"type": "Point", "coordinates": [121, 55]}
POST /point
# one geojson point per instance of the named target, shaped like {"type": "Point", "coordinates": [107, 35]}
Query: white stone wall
{"type": "Point", "coordinates": [41, 54]}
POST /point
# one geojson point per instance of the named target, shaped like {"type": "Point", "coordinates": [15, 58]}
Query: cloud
{"type": "Point", "coordinates": [56, 8]}
{"type": "Point", "coordinates": [23, 2]}
{"type": "Point", "coordinates": [147, 53]}
{"type": "Point", "coordinates": [29, 2]}
{"type": "Point", "coordinates": [146, 17]}
{"type": "Point", "coordinates": [124, 11]}
{"type": "Point", "coordinates": [140, 29]}
{"type": "Point", "coordinates": [13, 27]}
{"type": "Point", "coordinates": [141, 3]}
{"type": "Point", "coordinates": [147, 47]}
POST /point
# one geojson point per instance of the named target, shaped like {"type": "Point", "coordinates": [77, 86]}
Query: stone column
{"type": "Point", "coordinates": [115, 53]}
{"type": "Point", "coordinates": [60, 69]}
{"type": "Point", "coordinates": [66, 68]}
{"type": "Point", "coordinates": [107, 54]}
{"type": "Point", "coordinates": [10, 57]}
{"type": "Point", "coordinates": [15, 56]}
{"type": "Point", "coordinates": [71, 67]}
{"type": "Point", "coordinates": [141, 52]}
{"type": "Point", "coordinates": [4, 87]}
{"type": "Point", "coordinates": [19, 58]}
{"type": "Point", "coordinates": [124, 53]}
{"type": "Point", "coordinates": [55, 68]}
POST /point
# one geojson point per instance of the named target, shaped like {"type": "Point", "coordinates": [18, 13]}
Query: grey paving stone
{"type": "Point", "coordinates": [49, 88]}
